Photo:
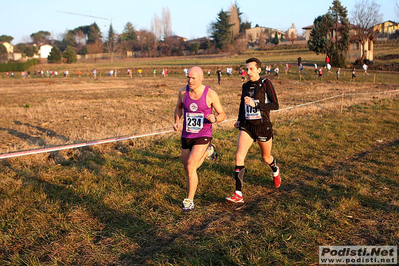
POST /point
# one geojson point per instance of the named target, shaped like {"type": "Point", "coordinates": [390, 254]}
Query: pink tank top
{"type": "Point", "coordinates": [195, 124]}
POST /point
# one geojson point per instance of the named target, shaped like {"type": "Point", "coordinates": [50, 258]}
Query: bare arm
{"type": "Point", "coordinates": [178, 110]}
{"type": "Point", "coordinates": [217, 106]}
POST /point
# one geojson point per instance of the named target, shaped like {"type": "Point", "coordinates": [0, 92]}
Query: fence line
{"type": "Point", "coordinates": [116, 139]}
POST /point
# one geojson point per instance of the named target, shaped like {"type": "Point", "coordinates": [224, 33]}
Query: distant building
{"type": "Point", "coordinates": [291, 32]}
{"type": "Point", "coordinates": [307, 30]}
{"type": "Point", "coordinates": [45, 50]}
{"type": "Point", "coordinates": [386, 28]}
{"type": "Point", "coordinates": [355, 48]}
{"type": "Point", "coordinates": [257, 33]}
{"type": "Point", "coordinates": [9, 47]}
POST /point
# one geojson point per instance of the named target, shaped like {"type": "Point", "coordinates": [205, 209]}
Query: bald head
{"type": "Point", "coordinates": [195, 77]}
{"type": "Point", "coordinates": [196, 70]}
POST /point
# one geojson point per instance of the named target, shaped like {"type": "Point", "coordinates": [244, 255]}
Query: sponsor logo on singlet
{"type": "Point", "coordinates": [193, 107]}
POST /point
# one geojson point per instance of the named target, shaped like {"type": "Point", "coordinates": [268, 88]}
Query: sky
{"type": "Point", "coordinates": [190, 19]}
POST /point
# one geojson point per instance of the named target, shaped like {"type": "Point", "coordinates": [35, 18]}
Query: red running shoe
{"type": "Point", "coordinates": [236, 198]}
{"type": "Point", "coordinates": [277, 178]}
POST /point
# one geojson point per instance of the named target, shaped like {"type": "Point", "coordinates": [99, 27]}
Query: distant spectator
{"type": "Point", "coordinates": [338, 73]}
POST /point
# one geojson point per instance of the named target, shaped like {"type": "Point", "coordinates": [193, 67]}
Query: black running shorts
{"type": "Point", "coordinates": [262, 132]}
{"type": "Point", "coordinates": [189, 143]}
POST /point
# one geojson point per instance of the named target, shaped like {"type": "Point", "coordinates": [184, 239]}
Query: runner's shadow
{"type": "Point", "coordinates": [34, 140]}
{"type": "Point", "coordinates": [48, 132]}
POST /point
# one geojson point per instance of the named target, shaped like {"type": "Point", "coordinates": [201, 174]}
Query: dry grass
{"type": "Point", "coordinates": [48, 112]}
{"type": "Point", "coordinates": [119, 203]}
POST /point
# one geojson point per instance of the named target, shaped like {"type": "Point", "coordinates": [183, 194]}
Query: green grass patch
{"type": "Point", "coordinates": [120, 204]}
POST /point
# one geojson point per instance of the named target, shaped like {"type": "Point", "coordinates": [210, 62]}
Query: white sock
{"type": "Point", "coordinates": [239, 193]}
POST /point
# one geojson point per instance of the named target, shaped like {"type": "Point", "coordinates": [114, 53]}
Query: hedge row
{"type": "Point", "coordinates": [17, 66]}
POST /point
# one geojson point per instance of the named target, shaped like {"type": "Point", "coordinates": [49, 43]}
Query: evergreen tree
{"type": "Point", "coordinates": [94, 33]}
{"type": "Point", "coordinates": [70, 55]}
{"type": "Point", "coordinates": [129, 33]}
{"type": "Point", "coordinates": [319, 40]}
{"type": "Point", "coordinates": [221, 30]}
{"type": "Point", "coordinates": [275, 39]}
{"type": "Point", "coordinates": [330, 34]}
{"type": "Point", "coordinates": [342, 33]}
{"type": "Point", "coordinates": [111, 42]}
{"type": "Point", "coordinates": [68, 40]}
{"type": "Point", "coordinates": [55, 55]}
{"type": "Point", "coordinates": [40, 37]}
{"type": "Point", "coordinates": [21, 47]}
{"type": "Point", "coordinates": [6, 38]}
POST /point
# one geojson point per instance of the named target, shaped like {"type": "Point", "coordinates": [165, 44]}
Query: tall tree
{"type": "Point", "coordinates": [275, 39]}
{"type": "Point", "coordinates": [166, 23]}
{"type": "Point", "coordinates": [55, 55]}
{"type": "Point", "coordinates": [342, 33]}
{"type": "Point", "coordinates": [244, 26]}
{"type": "Point", "coordinates": [95, 48]}
{"type": "Point", "coordinates": [40, 37]}
{"type": "Point", "coordinates": [129, 33]}
{"type": "Point", "coordinates": [331, 34]}
{"type": "Point", "coordinates": [94, 33]}
{"type": "Point", "coordinates": [156, 27]}
{"type": "Point", "coordinates": [128, 37]}
{"type": "Point", "coordinates": [110, 43]}
{"type": "Point", "coordinates": [319, 39]}
{"type": "Point", "coordinates": [68, 40]}
{"type": "Point", "coordinates": [70, 55]}
{"type": "Point", "coordinates": [364, 16]}
{"type": "Point", "coordinates": [234, 21]}
{"type": "Point", "coordinates": [21, 47]}
{"type": "Point", "coordinates": [397, 10]}
{"type": "Point", "coordinates": [6, 38]}
{"type": "Point", "coordinates": [221, 30]}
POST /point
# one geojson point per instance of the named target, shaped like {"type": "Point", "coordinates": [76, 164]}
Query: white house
{"type": "Point", "coordinates": [45, 50]}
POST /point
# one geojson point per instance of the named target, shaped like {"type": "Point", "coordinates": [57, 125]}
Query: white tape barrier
{"type": "Point", "coordinates": [116, 139]}
{"type": "Point", "coordinates": [78, 145]}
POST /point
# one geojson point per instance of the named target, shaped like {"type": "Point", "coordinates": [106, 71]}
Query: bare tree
{"type": "Point", "coordinates": [166, 22]}
{"type": "Point", "coordinates": [95, 48]}
{"type": "Point", "coordinates": [397, 10]}
{"type": "Point", "coordinates": [234, 21]}
{"type": "Point", "coordinates": [156, 27]}
{"type": "Point", "coordinates": [365, 15]}
{"type": "Point", "coordinates": [146, 42]}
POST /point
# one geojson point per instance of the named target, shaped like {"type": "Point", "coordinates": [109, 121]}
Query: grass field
{"type": "Point", "coordinates": [120, 203]}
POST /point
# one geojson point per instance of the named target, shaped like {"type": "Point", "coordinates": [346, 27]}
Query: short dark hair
{"type": "Point", "coordinates": [256, 60]}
